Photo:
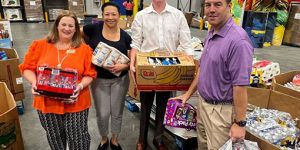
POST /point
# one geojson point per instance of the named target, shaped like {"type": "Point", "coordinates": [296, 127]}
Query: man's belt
{"type": "Point", "coordinates": [219, 102]}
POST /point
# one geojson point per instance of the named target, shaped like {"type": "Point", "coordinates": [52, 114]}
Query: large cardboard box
{"type": "Point", "coordinates": [270, 99]}
{"type": "Point", "coordinates": [164, 77]}
{"type": "Point", "coordinates": [11, 75]}
{"type": "Point", "coordinates": [280, 80]}
{"type": "Point", "coordinates": [10, 131]}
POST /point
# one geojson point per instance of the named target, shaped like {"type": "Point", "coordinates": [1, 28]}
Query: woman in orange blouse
{"type": "Point", "coordinates": [65, 121]}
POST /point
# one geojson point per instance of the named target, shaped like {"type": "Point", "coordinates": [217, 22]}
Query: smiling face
{"type": "Point", "coordinates": [111, 16]}
{"type": "Point", "coordinates": [66, 28]}
{"type": "Point", "coordinates": [217, 12]}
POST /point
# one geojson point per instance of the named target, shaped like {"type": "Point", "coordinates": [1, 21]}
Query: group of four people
{"type": "Point", "coordinates": [223, 73]}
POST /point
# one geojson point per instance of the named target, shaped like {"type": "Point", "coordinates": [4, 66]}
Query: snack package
{"type": "Point", "coordinates": [56, 83]}
{"type": "Point", "coordinates": [105, 56]}
{"type": "Point", "coordinates": [296, 80]}
{"type": "Point", "coordinates": [180, 116]}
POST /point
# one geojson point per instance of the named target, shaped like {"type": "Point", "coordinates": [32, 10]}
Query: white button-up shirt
{"type": "Point", "coordinates": [167, 30]}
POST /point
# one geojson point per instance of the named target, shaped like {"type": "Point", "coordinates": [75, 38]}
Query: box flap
{"type": "Point", "coordinates": [10, 52]}
{"type": "Point", "coordinates": [258, 97]}
{"type": "Point", "coordinates": [285, 77]}
{"type": "Point", "coordinates": [6, 99]}
{"type": "Point", "coordinates": [286, 103]}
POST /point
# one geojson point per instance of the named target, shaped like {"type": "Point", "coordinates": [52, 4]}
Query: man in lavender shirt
{"type": "Point", "coordinates": [224, 72]}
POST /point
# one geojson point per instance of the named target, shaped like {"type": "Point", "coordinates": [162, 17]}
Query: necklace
{"type": "Point", "coordinates": [63, 59]}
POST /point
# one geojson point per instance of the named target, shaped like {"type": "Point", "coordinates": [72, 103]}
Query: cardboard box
{"type": "Point", "coordinates": [125, 24]}
{"type": "Point", "coordinates": [10, 131]}
{"type": "Point", "coordinates": [11, 75]}
{"type": "Point", "coordinates": [189, 17]}
{"type": "Point", "coordinates": [265, 98]}
{"type": "Point", "coordinates": [280, 80]}
{"type": "Point", "coordinates": [164, 77]}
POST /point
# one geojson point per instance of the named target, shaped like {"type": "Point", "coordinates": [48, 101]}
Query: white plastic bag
{"type": "Point", "coordinates": [241, 145]}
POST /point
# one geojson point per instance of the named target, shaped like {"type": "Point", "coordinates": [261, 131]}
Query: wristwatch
{"type": "Point", "coordinates": [241, 123]}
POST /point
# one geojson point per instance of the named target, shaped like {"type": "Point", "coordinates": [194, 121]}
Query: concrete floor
{"type": "Point", "coordinates": [33, 134]}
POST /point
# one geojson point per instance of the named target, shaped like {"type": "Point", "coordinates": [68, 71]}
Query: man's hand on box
{"type": "Point", "coordinates": [184, 97]}
{"type": "Point", "coordinates": [132, 74]}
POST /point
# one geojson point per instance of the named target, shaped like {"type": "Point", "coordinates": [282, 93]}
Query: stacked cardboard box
{"type": "Point", "coordinates": [171, 77]}
{"type": "Point", "coordinates": [292, 33]}
{"type": "Point", "coordinates": [10, 131]}
{"type": "Point", "coordinates": [53, 13]}
{"type": "Point", "coordinates": [11, 75]}
{"type": "Point", "coordinates": [13, 14]}
{"type": "Point", "coordinates": [77, 6]}
{"type": "Point", "coordinates": [33, 10]}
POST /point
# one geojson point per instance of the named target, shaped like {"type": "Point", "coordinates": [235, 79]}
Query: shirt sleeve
{"type": "Point", "coordinates": [240, 63]}
{"type": "Point", "coordinates": [136, 29]}
{"type": "Point", "coordinates": [31, 57]}
{"type": "Point", "coordinates": [89, 29]}
{"type": "Point", "coordinates": [185, 43]}
{"type": "Point", "coordinates": [89, 68]}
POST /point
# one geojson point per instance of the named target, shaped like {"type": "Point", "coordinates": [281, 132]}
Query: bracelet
{"type": "Point", "coordinates": [81, 86]}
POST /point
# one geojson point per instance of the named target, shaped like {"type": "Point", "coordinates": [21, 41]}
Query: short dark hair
{"type": "Point", "coordinates": [228, 1]}
{"type": "Point", "coordinates": [110, 4]}
{"type": "Point", "coordinates": [53, 35]}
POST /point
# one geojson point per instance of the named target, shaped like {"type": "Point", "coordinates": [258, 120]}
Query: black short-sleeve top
{"type": "Point", "coordinates": [94, 34]}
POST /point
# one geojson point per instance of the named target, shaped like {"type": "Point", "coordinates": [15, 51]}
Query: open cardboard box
{"type": "Point", "coordinates": [280, 80]}
{"type": "Point", "coordinates": [164, 77]}
{"type": "Point", "coordinates": [270, 99]}
{"type": "Point", "coordinates": [10, 131]}
{"type": "Point", "coordinates": [10, 74]}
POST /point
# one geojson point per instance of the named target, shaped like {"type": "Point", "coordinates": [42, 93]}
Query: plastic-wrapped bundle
{"type": "Point", "coordinates": [180, 116]}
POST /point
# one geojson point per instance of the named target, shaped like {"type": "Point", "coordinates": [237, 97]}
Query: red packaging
{"type": "Point", "coordinates": [56, 83]}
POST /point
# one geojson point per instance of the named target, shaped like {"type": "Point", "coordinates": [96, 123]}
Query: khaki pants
{"type": "Point", "coordinates": [213, 124]}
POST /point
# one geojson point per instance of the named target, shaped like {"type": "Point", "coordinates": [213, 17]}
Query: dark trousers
{"type": "Point", "coordinates": [147, 99]}
{"type": "Point", "coordinates": [71, 128]}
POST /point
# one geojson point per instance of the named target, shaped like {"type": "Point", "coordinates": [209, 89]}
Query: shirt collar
{"type": "Point", "coordinates": [224, 30]}
{"type": "Point", "coordinates": [151, 9]}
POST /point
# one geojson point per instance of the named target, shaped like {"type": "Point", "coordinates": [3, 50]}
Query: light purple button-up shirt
{"type": "Point", "coordinates": [225, 62]}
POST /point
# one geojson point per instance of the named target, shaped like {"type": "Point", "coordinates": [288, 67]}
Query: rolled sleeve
{"type": "Point", "coordinates": [32, 57]}
{"type": "Point", "coordinates": [240, 63]}
{"type": "Point", "coordinates": [185, 37]}
{"type": "Point", "coordinates": [136, 29]}
{"type": "Point", "coordinates": [89, 68]}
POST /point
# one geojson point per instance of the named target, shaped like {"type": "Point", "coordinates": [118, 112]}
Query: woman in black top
{"type": "Point", "coordinates": [108, 90]}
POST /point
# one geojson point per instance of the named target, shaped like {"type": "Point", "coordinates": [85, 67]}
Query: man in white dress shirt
{"type": "Point", "coordinates": [157, 27]}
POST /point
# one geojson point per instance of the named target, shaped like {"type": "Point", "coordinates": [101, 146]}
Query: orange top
{"type": "Point", "coordinates": [43, 53]}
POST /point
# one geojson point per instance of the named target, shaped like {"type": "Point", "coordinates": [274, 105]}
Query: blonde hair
{"type": "Point", "coordinates": [53, 35]}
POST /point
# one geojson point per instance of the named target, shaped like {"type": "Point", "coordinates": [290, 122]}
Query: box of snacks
{"type": "Point", "coordinates": [287, 83]}
{"type": "Point", "coordinates": [56, 83]}
{"type": "Point", "coordinates": [164, 71]}
{"type": "Point", "coordinates": [272, 119]}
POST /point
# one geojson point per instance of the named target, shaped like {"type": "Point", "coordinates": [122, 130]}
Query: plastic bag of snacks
{"type": "Point", "coordinates": [56, 83]}
{"type": "Point", "coordinates": [180, 116]}
{"type": "Point", "coordinates": [240, 145]}
{"type": "Point", "coordinates": [106, 56]}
